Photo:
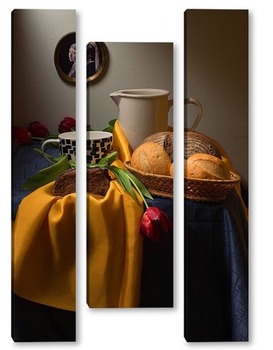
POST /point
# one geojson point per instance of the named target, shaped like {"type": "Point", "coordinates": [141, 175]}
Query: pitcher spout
{"type": "Point", "coordinates": [116, 96]}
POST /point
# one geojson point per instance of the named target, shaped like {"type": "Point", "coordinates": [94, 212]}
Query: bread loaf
{"type": "Point", "coordinates": [206, 166]}
{"type": "Point", "coordinates": [65, 183]}
{"type": "Point", "coordinates": [152, 158]}
{"type": "Point", "coordinates": [172, 169]}
{"type": "Point", "coordinates": [195, 142]}
{"type": "Point", "coordinates": [98, 182]}
{"type": "Point", "coordinates": [164, 139]}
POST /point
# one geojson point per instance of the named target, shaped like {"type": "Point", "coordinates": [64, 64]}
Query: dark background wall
{"type": "Point", "coordinates": [216, 73]}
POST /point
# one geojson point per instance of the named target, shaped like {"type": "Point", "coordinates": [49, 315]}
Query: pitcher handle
{"type": "Point", "coordinates": [190, 100]}
{"type": "Point", "coordinates": [170, 104]}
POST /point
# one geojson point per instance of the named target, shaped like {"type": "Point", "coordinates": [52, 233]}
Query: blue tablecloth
{"type": "Point", "coordinates": [216, 271]}
{"type": "Point", "coordinates": [25, 163]}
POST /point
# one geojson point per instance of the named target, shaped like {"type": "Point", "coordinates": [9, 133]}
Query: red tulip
{"type": "Point", "coordinates": [37, 129]}
{"type": "Point", "coordinates": [67, 124]}
{"type": "Point", "coordinates": [21, 135]}
{"type": "Point", "coordinates": [154, 222]}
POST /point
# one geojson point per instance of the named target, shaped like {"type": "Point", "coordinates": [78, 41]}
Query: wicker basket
{"type": "Point", "coordinates": [157, 185]}
{"type": "Point", "coordinates": [204, 190]}
{"type": "Point", "coordinates": [195, 142]}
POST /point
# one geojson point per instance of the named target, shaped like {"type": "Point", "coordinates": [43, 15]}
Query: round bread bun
{"type": "Point", "coordinates": [164, 139]}
{"type": "Point", "coordinates": [206, 166]}
{"type": "Point", "coordinates": [171, 169]}
{"type": "Point", "coordinates": [151, 158]}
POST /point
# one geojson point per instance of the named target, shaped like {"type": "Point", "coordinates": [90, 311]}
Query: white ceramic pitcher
{"type": "Point", "coordinates": [142, 112]}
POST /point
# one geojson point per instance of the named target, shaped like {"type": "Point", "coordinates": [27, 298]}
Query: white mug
{"type": "Point", "coordinates": [98, 145]}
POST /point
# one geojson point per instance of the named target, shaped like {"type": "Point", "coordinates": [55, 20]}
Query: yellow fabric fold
{"type": "Point", "coordinates": [114, 258]}
{"type": "Point", "coordinates": [43, 242]}
{"type": "Point", "coordinates": [120, 143]}
{"type": "Point", "coordinates": [114, 247]}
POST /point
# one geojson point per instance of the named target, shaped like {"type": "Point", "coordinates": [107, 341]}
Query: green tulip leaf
{"type": "Point", "coordinates": [137, 183]}
{"type": "Point", "coordinates": [112, 122]}
{"type": "Point", "coordinates": [47, 175]}
{"type": "Point", "coordinates": [124, 180]}
{"type": "Point", "coordinates": [108, 159]}
{"type": "Point", "coordinates": [50, 158]}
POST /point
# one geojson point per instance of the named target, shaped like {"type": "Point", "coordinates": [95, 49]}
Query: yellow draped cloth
{"type": "Point", "coordinates": [114, 258]}
{"type": "Point", "coordinates": [44, 249]}
{"type": "Point", "coordinates": [44, 246]}
{"type": "Point", "coordinates": [114, 249]}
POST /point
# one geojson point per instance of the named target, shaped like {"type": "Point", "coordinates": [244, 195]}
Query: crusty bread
{"type": "Point", "coordinates": [152, 158]}
{"type": "Point", "coordinates": [195, 142]}
{"type": "Point", "coordinates": [172, 169]}
{"type": "Point", "coordinates": [164, 139]}
{"type": "Point", "coordinates": [65, 183]}
{"type": "Point", "coordinates": [206, 166]}
{"type": "Point", "coordinates": [98, 182]}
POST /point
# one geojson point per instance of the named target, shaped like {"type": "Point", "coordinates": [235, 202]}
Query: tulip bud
{"type": "Point", "coordinates": [21, 136]}
{"type": "Point", "coordinates": [67, 124]}
{"type": "Point", "coordinates": [154, 222]}
{"type": "Point", "coordinates": [37, 129]}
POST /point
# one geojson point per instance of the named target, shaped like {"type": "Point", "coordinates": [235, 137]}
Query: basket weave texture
{"type": "Point", "coordinates": [195, 142]}
{"type": "Point", "coordinates": [157, 185]}
{"type": "Point", "coordinates": [205, 190]}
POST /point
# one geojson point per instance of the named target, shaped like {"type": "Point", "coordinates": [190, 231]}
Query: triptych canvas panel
{"type": "Point", "coordinates": [216, 201]}
{"type": "Point", "coordinates": [131, 157]}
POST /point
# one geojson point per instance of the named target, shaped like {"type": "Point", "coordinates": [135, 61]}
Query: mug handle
{"type": "Point", "coordinates": [43, 146]}
{"type": "Point", "coordinates": [191, 100]}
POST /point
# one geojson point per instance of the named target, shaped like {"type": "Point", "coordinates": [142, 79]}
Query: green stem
{"type": "Point", "coordinates": [141, 195]}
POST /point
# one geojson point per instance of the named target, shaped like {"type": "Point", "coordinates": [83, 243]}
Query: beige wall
{"type": "Point", "coordinates": [40, 94]}
{"type": "Point", "coordinates": [38, 91]}
{"type": "Point", "coordinates": [131, 65]}
{"type": "Point", "coordinates": [216, 73]}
